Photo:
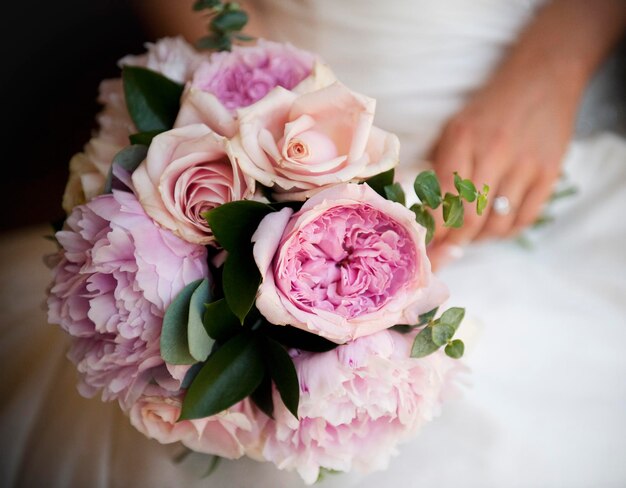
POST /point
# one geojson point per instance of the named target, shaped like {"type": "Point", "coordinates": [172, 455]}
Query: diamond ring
{"type": "Point", "coordinates": [501, 205]}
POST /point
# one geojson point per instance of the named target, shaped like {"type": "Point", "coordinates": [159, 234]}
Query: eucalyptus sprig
{"type": "Point", "coordinates": [437, 333]}
{"type": "Point", "coordinates": [227, 20]}
{"type": "Point", "coordinates": [428, 190]}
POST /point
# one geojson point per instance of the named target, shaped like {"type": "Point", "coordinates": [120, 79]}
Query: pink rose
{"type": "Point", "coordinates": [229, 434]}
{"type": "Point", "coordinates": [357, 402]}
{"type": "Point", "coordinates": [348, 264]}
{"type": "Point", "coordinates": [188, 171]}
{"type": "Point", "coordinates": [117, 274]}
{"type": "Point", "coordinates": [299, 143]}
{"type": "Point", "coordinates": [236, 79]}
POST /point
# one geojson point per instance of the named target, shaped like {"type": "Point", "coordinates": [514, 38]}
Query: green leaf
{"type": "Point", "coordinates": [230, 374]}
{"type": "Point", "coordinates": [425, 219]}
{"type": "Point", "coordinates": [144, 138]}
{"type": "Point", "coordinates": [453, 317]}
{"type": "Point", "coordinates": [229, 21]}
{"type": "Point", "coordinates": [205, 4]}
{"type": "Point", "coordinates": [481, 203]}
{"type": "Point", "coordinates": [244, 38]}
{"type": "Point", "coordinates": [403, 328]}
{"type": "Point", "coordinates": [566, 192]}
{"type": "Point", "coordinates": [452, 211]}
{"type": "Point", "coordinates": [190, 375]}
{"type": "Point", "coordinates": [380, 181]}
{"type": "Point", "coordinates": [466, 188]}
{"type": "Point", "coordinates": [128, 158]}
{"type": "Point", "coordinates": [395, 193]}
{"type": "Point", "coordinates": [174, 343]}
{"type": "Point", "coordinates": [283, 372]}
{"type": "Point", "coordinates": [425, 318]}
{"type": "Point", "coordinates": [219, 321]}
{"type": "Point", "coordinates": [262, 396]}
{"type": "Point", "coordinates": [152, 99]}
{"type": "Point", "coordinates": [200, 343]}
{"type": "Point", "coordinates": [442, 333]}
{"type": "Point", "coordinates": [298, 338]}
{"type": "Point", "coordinates": [427, 189]}
{"type": "Point", "coordinates": [213, 464]}
{"type": "Point", "coordinates": [455, 349]}
{"type": "Point", "coordinates": [423, 344]}
{"type": "Point", "coordinates": [234, 223]}
{"type": "Point", "coordinates": [241, 279]}
{"type": "Point", "coordinates": [217, 42]}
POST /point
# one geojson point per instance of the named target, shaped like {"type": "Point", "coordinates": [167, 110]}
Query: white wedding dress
{"type": "Point", "coordinates": [546, 400]}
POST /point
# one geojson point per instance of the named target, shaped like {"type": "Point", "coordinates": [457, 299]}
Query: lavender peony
{"type": "Point", "coordinates": [117, 274]}
{"type": "Point", "coordinates": [357, 402]}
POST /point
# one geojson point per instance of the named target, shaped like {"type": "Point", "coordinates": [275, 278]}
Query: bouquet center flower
{"type": "Point", "coordinates": [349, 261]}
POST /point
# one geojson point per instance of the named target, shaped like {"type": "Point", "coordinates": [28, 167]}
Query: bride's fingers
{"type": "Point", "coordinates": [506, 201]}
{"type": "Point", "coordinates": [533, 203]}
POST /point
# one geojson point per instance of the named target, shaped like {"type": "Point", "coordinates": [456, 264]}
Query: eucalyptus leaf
{"type": "Point", "coordinates": [200, 343]}
{"type": "Point", "coordinates": [205, 4]}
{"type": "Point", "coordinates": [190, 375]}
{"type": "Point", "coordinates": [174, 342]}
{"type": "Point", "coordinates": [219, 321]}
{"type": "Point", "coordinates": [229, 21]}
{"type": "Point", "coordinates": [152, 99]}
{"type": "Point", "coordinates": [425, 219]}
{"type": "Point", "coordinates": [442, 333]}
{"type": "Point", "coordinates": [423, 344]}
{"type": "Point", "coordinates": [452, 211]}
{"type": "Point", "coordinates": [466, 188]}
{"type": "Point", "coordinates": [283, 372]}
{"type": "Point", "coordinates": [230, 374]}
{"type": "Point", "coordinates": [217, 42]}
{"type": "Point", "coordinates": [128, 158]}
{"type": "Point", "coordinates": [455, 349]}
{"type": "Point", "coordinates": [380, 181]}
{"type": "Point", "coordinates": [427, 189]}
{"type": "Point", "coordinates": [424, 318]}
{"type": "Point", "coordinates": [481, 202]}
{"type": "Point", "coordinates": [395, 193]}
{"type": "Point", "coordinates": [453, 317]}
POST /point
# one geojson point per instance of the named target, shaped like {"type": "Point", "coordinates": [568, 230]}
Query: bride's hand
{"type": "Point", "coordinates": [513, 133]}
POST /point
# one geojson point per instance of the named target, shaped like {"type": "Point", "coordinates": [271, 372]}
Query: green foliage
{"type": "Point", "coordinates": [427, 317]}
{"type": "Point", "coordinates": [455, 349]}
{"type": "Point", "coordinates": [481, 202]}
{"type": "Point", "coordinates": [262, 396]}
{"type": "Point", "coordinates": [144, 138]}
{"type": "Point", "coordinates": [425, 219]}
{"type": "Point", "coordinates": [200, 343]}
{"type": "Point", "coordinates": [453, 317]}
{"type": "Point", "coordinates": [233, 225]}
{"type": "Point", "coordinates": [452, 211]}
{"type": "Point", "coordinates": [466, 188]}
{"type": "Point", "coordinates": [423, 345]}
{"type": "Point", "coordinates": [283, 372]}
{"type": "Point", "coordinates": [230, 374]}
{"type": "Point", "coordinates": [219, 321]}
{"type": "Point", "coordinates": [153, 100]}
{"type": "Point", "coordinates": [438, 332]}
{"type": "Point", "coordinates": [128, 158]}
{"type": "Point", "coordinates": [297, 338]}
{"type": "Point", "coordinates": [395, 193]}
{"type": "Point", "coordinates": [441, 333]}
{"type": "Point", "coordinates": [427, 189]}
{"type": "Point", "coordinates": [174, 341]}
{"type": "Point", "coordinates": [380, 181]}
{"type": "Point", "coordinates": [226, 22]}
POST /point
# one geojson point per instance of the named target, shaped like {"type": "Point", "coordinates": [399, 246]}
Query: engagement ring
{"type": "Point", "coordinates": [501, 205]}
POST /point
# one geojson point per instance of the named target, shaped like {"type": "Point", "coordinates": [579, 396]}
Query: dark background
{"type": "Point", "coordinates": [54, 55]}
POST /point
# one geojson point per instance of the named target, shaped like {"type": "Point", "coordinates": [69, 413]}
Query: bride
{"type": "Point", "coordinates": [486, 88]}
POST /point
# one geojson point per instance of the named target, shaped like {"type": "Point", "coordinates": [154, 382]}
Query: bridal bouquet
{"type": "Point", "coordinates": [239, 270]}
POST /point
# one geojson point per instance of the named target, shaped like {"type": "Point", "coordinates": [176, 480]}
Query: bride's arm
{"type": "Point", "coordinates": [514, 132]}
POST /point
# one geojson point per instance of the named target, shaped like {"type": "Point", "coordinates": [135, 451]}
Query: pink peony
{"type": "Point", "coordinates": [117, 274]}
{"type": "Point", "coordinates": [348, 264]}
{"type": "Point", "coordinates": [357, 402]}
{"type": "Point", "coordinates": [229, 434]}
{"type": "Point", "coordinates": [298, 143]}
{"type": "Point", "coordinates": [187, 172]}
{"type": "Point", "coordinates": [236, 79]}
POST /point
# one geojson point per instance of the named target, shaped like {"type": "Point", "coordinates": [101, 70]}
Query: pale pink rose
{"type": "Point", "coordinates": [173, 58]}
{"type": "Point", "coordinates": [297, 143]}
{"type": "Point", "coordinates": [348, 264]}
{"type": "Point", "coordinates": [229, 434]}
{"type": "Point", "coordinates": [357, 402]}
{"type": "Point", "coordinates": [187, 172]}
{"type": "Point", "coordinates": [117, 274]}
{"type": "Point", "coordinates": [236, 79]}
